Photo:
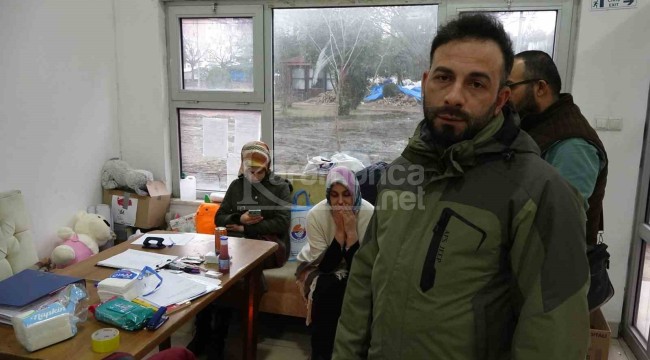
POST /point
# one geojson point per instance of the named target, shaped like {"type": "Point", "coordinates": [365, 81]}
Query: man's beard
{"type": "Point", "coordinates": [445, 135]}
{"type": "Point", "coordinates": [527, 105]}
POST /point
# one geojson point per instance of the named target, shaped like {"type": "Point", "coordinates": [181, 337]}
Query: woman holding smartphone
{"type": "Point", "coordinates": [257, 203]}
{"type": "Point", "coordinates": [256, 206]}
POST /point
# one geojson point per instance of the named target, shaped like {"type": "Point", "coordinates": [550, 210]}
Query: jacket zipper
{"type": "Point", "coordinates": [428, 277]}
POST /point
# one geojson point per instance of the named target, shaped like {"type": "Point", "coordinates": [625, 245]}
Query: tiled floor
{"type": "Point", "coordinates": [618, 350]}
{"type": "Point", "coordinates": [282, 338]}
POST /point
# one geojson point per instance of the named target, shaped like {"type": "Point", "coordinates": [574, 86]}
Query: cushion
{"type": "Point", "coordinates": [283, 296]}
{"type": "Point", "coordinates": [17, 250]}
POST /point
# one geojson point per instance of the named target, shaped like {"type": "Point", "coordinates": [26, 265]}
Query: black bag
{"type": "Point", "coordinates": [368, 179]}
{"type": "Point", "coordinates": [601, 289]}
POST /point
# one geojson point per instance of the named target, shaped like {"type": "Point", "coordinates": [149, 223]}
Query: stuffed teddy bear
{"type": "Point", "coordinates": [90, 232]}
{"type": "Point", "coordinates": [119, 174]}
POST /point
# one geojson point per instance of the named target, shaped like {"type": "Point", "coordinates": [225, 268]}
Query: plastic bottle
{"type": "Point", "coordinates": [224, 256]}
{"type": "Point", "coordinates": [188, 187]}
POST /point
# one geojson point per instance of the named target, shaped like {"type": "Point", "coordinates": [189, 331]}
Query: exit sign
{"type": "Point", "coordinates": [612, 4]}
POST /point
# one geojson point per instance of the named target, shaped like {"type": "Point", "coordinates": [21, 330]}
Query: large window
{"type": "Point", "coordinates": [217, 89]}
{"type": "Point", "coordinates": [316, 80]}
{"type": "Point", "coordinates": [347, 80]}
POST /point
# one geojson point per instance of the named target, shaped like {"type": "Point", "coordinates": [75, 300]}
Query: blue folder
{"type": "Point", "coordinates": [30, 285]}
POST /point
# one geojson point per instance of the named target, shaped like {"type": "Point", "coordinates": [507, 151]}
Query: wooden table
{"type": "Point", "coordinates": [247, 263]}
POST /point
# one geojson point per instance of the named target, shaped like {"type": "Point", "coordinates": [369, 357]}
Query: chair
{"type": "Point", "coordinates": [17, 250]}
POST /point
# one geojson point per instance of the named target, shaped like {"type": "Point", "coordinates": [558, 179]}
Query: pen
{"type": "Point", "coordinates": [177, 307]}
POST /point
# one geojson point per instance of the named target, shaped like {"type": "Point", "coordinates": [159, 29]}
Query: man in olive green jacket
{"type": "Point", "coordinates": [476, 249]}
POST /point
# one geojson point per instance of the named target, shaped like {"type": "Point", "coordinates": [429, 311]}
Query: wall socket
{"type": "Point", "coordinates": [608, 124]}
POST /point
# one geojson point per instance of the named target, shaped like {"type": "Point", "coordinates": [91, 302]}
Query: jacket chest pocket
{"type": "Point", "coordinates": [450, 229]}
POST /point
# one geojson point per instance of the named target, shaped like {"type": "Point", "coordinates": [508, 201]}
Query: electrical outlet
{"type": "Point", "coordinates": [615, 124]}
{"type": "Point", "coordinates": [608, 124]}
{"type": "Point", "coordinates": [600, 123]}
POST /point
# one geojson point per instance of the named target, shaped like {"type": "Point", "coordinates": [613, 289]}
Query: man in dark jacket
{"type": "Point", "coordinates": [570, 144]}
{"type": "Point", "coordinates": [476, 249]}
{"type": "Point", "coordinates": [564, 136]}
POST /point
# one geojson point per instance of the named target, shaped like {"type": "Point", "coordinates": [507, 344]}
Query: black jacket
{"type": "Point", "coordinates": [272, 195]}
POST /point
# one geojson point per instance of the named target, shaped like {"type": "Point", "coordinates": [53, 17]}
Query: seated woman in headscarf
{"type": "Point", "coordinates": [256, 206]}
{"type": "Point", "coordinates": [335, 227]}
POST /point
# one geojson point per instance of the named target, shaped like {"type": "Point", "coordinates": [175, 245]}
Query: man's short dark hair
{"type": "Point", "coordinates": [479, 27]}
{"type": "Point", "coordinates": [540, 65]}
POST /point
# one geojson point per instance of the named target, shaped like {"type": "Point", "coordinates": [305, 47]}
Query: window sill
{"type": "Point", "coordinates": [216, 197]}
{"type": "Point", "coordinates": [177, 201]}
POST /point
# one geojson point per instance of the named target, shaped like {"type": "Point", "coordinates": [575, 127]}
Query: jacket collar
{"type": "Point", "coordinates": [532, 120]}
{"type": "Point", "coordinates": [500, 135]}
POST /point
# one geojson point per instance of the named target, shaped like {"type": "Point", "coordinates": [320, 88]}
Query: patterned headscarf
{"type": "Point", "coordinates": [344, 176]}
{"type": "Point", "coordinates": [254, 154]}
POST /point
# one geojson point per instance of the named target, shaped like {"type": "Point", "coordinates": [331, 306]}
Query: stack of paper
{"type": "Point", "coordinates": [135, 259]}
{"type": "Point", "coordinates": [175, 288]}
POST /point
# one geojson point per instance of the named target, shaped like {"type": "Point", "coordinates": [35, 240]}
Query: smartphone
{"type": "Point", "coordinates": [255, 212]}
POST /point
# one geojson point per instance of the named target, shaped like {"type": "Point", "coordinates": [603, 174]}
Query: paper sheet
{"type": "Point", "coordinates": [211, 284]}
{"type": "Point", "coordinates": [175, 289]}
{"type": "Point", "coordinates": [136, 259]}
{"type": "Point", "coordinates": [179, 239]}
{"type": "Point", "coordinates": [215, 137]}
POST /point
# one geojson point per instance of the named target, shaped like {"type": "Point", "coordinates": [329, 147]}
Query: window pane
{"type": "Point", "coordinates": [326, 62]}
{"type": "Point", "coordinates": [217, 54]}
{"type": "Point", "coordinates": [642, 318]}
{"type": "Point", "coordinates": [211, 142]}
{"type": "Point", "coordinates": [530, 30]}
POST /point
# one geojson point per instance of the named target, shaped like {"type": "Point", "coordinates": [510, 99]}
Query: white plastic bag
{"type": "Point", "coordinates": [322, 165]}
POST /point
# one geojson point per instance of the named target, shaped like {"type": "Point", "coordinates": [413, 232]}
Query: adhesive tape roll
{"type": "Point", "coordinates": [105, 340]}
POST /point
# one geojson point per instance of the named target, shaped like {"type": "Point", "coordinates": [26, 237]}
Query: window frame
{"type": "Point", "coordinates": [175, 13]}
{"type": "Point", "coordinates": [262, 12]}
{"type": "Point", "coordinates": [564, 36]}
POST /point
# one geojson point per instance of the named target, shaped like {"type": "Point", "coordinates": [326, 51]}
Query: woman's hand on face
{"type": "Point", "coordinates": [339, 233]}
{"type": "Point", "coordinates": [350, 226]}
{"type": "Point", "coordinates": [235, 228]}
{"type": "Point", "coordinates": [248, 219]}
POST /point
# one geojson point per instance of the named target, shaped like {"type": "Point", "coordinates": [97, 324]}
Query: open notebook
{"type": "Point", "coordinates": [136, 259]}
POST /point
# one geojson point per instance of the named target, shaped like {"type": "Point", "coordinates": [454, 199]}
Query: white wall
{"type": "Point", "coordinates": [611, 78]}
{"type": "Point", "coordinates": [58, 103]}
{"type": "Point", "coordinates": [142, 83]}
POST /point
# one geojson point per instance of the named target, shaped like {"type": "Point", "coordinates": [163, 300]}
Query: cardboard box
{"type": "Point", "coordinates": [145, 212]}
{"type": "Point", "coordinates": [601, 335]}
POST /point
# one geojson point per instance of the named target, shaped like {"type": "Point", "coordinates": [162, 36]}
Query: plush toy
{"type": "Point", "coordinates": [119, 174]}
{"type": "Point", "coordinates": [90, 232]}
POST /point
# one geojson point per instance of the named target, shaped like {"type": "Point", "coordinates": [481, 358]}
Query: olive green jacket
{"type": "Point", "coordinates": [476, 251]}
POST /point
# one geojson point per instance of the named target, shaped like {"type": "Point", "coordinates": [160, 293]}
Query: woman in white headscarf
{"type": "Point", "coordinates": [335, 228]}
